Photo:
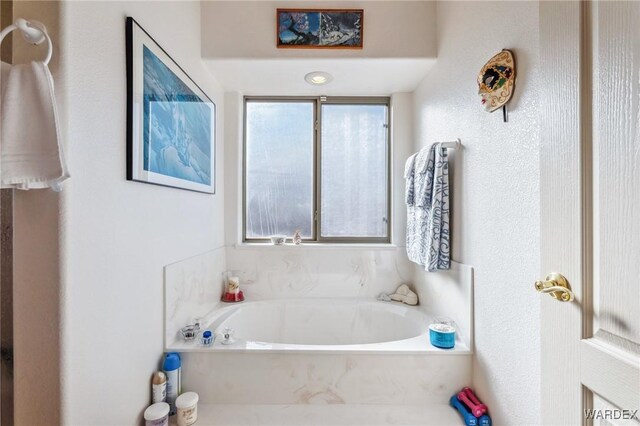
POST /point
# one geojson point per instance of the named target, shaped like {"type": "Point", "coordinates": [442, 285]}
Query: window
{"type": "Point", "coordinates": [318, 165]}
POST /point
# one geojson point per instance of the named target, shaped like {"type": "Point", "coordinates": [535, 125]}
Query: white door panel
{"type": "Point", "coordinates": [616, 416]}
{"type": "Point", "coordinates": [616, 146]}
{"type": "Point", "coordinates": [590, 144]}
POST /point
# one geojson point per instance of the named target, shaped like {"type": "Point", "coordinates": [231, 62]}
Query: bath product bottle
{"type": "Point", "coordinates": [157, 414]}
{"type": "Point", "coordinates": [173, 369]}
{"type": "Point", "coordinates": [187, 406]}
{"type": "Point", "coordinates": [158, 387]}
{"type": "Point", "coordinates": [297, 237]}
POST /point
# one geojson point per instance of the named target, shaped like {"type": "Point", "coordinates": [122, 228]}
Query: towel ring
{"type": "Point", "coordinates": [34, 32]}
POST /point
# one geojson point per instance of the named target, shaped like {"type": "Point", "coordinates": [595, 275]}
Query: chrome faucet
{"type": "Point", "coordinates": [228, 336]}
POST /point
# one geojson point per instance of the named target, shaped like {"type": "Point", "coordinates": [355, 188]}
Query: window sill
{"type": "Point", "coordinates": [317, 246]}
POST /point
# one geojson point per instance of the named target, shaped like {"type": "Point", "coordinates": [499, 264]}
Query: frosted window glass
{"type": "Point", "coordinates": [279, 171]}
{"type": "Point", "coordinates": [354, 171]}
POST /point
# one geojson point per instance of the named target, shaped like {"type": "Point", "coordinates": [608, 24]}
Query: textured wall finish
{"type": "Point", "coordinates": [239, 43]}
{"type": "Point", "coordinates": [102, 244]}
{"type": "Point", "coordinates": [121, 234]}
{"type": "Point", "coordinates": [253, 25]}
{"type": "Point", "coordinates": [6, 262]}
{"type": "Point", "coordinates": [495, 195]}
{"type": "Point", "coordinates": [37, 291]}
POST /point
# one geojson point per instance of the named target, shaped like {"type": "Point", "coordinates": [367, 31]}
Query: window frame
{"type": "Point", "coordinates": [318, 101]}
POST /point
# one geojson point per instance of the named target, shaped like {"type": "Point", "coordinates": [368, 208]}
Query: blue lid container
{"type": "Point", "coordinates": [442, 336]}
{"type": "Point", "coordinates": [171, 361]}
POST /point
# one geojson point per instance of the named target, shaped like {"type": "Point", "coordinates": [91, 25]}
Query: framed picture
{"type": "Point", "coordinates": [320, 28]}
{"type": "Point", "coordinates": [171, 122]}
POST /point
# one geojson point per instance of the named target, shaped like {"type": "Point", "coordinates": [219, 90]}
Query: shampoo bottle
{"type": "Point", "coordinates": [172, 369]}
{"type": "Point", "coordinates": [158, 387]}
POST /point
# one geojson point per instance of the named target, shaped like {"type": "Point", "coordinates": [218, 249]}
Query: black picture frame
{"type": "Point", "coordinates": [319, 28]}
{"type": "Point", "coordinates": [171, 122]}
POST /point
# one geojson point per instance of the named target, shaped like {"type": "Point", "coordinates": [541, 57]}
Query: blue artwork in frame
{"type": "Point", "coordinates": [171, 121]}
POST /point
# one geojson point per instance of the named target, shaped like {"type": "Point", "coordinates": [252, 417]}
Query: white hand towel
{"type": "Point", "coordinates": [31, 154]}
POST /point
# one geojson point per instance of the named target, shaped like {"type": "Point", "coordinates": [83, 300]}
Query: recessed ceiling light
{"type": "Point", "coordinates": [318, 78]}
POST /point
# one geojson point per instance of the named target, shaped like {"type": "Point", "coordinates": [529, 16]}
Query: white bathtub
{"type": "Point", "coordinates": [324, 351]}
{"type": "Point", "coordinates": [325, 325]}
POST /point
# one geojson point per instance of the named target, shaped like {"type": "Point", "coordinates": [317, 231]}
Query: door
{"type": "Point", "coordinates": [590, 211]}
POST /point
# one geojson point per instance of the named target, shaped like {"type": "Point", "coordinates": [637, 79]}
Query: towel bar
{"type": "Point", "coordinates": [33, 32]}
{"type": "Point", "coordinates": [451, 145]}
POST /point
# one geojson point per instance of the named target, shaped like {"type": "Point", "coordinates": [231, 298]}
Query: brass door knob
{"type": "Point", "coordinates": [557, 286]}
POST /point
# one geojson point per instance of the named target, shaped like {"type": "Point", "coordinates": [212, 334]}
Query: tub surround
{"type": "Point", "coordinates": [267, 378]}
{"type": "Point", "coordinates": [322, 415]}
{"type": "Point", "coordinates": [449, 294]}
{"type": "Point", "coordinates": [194, 286]}
{"type": "Point", "coordinates": [296, 373]}
{"type": "Point", "coordinates": [192, 289]}
{"type": "Point", "coordinates": [274, 272]}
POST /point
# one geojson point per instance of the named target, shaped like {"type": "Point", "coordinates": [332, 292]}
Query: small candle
{"type": "Point", "coordinates": [233, 285]}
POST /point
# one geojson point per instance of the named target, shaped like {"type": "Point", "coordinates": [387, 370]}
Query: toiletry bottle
{"type": "Point", "coordinates": [158, 387]}
{"type": "Point", "coordinates": [172, 368]}
{"type": "Point", "coordinates": [157, 414]}
{"type": "Point", "coordinates": [297, 237]}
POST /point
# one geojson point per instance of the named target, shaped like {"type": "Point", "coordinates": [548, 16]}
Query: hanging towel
{"type": "Point", "coordinates": [31, 154]}
{"type": "Point", "coordinates": [428, 216]}
{"type": "Point", "coordinates": [409, 177]}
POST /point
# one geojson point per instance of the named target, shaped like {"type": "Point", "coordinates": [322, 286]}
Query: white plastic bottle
{"type": "Point", "coordinates": [187, 406]}
{"type": "Point", "coordinates": [157, 414]}
{"type": "Point", "coordinates": [158, 387]}
{"type": "Point", "coordinates": [173, 369]}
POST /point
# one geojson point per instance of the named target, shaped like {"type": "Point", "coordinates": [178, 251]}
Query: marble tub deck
{"type": "Point", "coordinates": [326, 415]}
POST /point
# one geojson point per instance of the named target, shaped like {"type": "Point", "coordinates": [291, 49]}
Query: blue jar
{"type": "Point", "coordinates": [442, 335]}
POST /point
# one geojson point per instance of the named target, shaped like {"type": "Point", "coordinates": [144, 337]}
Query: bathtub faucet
{"type": "Point", "coordinates": [228, 336]}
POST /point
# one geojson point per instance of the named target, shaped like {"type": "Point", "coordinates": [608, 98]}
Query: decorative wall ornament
{"type": "Point", "coordinates": [320, 28]}
{"type": "Point", "coordinates": [171, 122]}
{"type": "Point", "coordinates": [496, 81]}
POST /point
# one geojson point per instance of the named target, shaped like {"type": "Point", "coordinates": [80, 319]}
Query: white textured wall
{"type": "Point", "coordinates": [392, 29]}
{"type": "Point", "coordinates": [115, 236]}
{"type": "Point", "coordinates": [495, 192]}
{"type": "Point", "coordinates": [37, 279]}
{"type": "Point", "coordinates": [120, 234]}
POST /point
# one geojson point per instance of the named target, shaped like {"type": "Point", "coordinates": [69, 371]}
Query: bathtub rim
{"type": "Point", "coordinates": [410, 346]}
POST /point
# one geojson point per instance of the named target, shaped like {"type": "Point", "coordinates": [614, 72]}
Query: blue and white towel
{"type": "Point", "coordinates": [427, 197]}
{"type": "Point", "coordinates": [409, 176]}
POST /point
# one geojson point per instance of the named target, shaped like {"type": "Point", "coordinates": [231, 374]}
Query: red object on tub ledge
{"type": "Point", "coordinates": [233, 298]}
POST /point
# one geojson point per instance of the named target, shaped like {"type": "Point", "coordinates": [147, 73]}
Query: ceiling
{"type": "Point", "coordinates": [351, 76]}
